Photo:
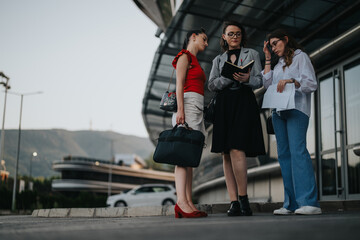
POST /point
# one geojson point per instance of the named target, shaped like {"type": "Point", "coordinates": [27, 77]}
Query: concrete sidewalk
{"type": "Point", "coordinates": [326, 206]}
{"type": "Point", "coordinates": [329, 226]}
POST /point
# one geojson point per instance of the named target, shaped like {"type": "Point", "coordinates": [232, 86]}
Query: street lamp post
{"type": "Point", "coordinates": [7, 87]}
{"type": "Point", "coordinates": [34, 154]}
{"type": "Point", "coordinates": [13, 206]}
{"type": "Point", "coordinates": [110, 167]}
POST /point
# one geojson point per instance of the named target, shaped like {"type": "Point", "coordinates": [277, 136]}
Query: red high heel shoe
{"type": "Point", "coordinates": [204, 214]}
{"type": "Point", "coordinates": [181, 214]}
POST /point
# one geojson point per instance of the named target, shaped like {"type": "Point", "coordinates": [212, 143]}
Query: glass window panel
{"type": "Point", "coordinates": [329, 166]}
{"type": "Point", "coordinates": [352, 98]}
{"type": "Point", "coordinates": [167, 60]}
{"type": "Point", "coordinates": [327, 114]}
{"type": "Point", "coordinates": [328, 174]}
{"type": "Point", "coordinates": [154, 118]}
{"type": "Point", "coordinates": [211, 7]}
{"type": "Point", "coordinates": [159, 88]}
{"type": "Point", "coordinates": [310, 138]}
{"type": "Point", "coordinates": [164, 71]}
{"type": "Point", "coordinates": [168, 121]}
{"type": "Point", "coordinates": [353, 172]}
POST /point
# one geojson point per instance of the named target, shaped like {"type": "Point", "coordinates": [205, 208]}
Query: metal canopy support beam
{"type": "Point", "coordinates": [351, 34]}
{"type": "Point", "coordinates": [348, 11]}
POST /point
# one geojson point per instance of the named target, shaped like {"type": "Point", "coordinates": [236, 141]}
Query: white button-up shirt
{"type": "Point", "coordinates": [302, 71]}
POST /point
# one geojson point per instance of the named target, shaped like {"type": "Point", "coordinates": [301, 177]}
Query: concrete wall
{"type": "Point", "coordinates": [265, 188]}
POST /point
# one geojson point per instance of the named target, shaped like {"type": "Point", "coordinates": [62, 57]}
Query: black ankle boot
{"type": "Point", "coordinates": [234, 209]}
{"type": "Point", "coordinates": [245, 209]}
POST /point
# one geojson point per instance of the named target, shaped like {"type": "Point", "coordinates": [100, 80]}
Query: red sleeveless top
{"type": "Point", "coordinates": [195, 78]}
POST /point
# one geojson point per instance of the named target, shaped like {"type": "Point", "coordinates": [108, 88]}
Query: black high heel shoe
{"type": "Point", "coordinates": [245, 209]}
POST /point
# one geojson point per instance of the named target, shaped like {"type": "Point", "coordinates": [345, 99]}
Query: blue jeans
{"type": "Point", "coordinates": [296, 167]}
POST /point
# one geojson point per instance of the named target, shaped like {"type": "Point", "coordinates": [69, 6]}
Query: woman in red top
{"type": "Point", "coordinates": [190, 79]}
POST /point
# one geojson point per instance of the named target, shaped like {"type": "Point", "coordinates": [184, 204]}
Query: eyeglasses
{"type": "Point", "coordinates": [274, 43]}
{"type": "Point", "coordinates": [232, 35]}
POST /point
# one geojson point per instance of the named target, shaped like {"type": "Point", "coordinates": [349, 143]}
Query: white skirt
{"type": "Point", "coordinates": [193, 106]}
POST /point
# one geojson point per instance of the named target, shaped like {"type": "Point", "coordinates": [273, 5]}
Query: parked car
{"type": "Point", "coordinates": [144, 195]}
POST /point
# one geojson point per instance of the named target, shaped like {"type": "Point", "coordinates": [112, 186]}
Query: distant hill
{"type": "Point", "coordinates": [53, 145]}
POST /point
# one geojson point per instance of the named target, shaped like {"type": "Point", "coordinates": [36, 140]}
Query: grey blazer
{"type": "Point", "coordinates": [218, 82]}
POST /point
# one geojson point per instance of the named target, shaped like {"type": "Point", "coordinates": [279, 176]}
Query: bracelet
{"type": "Point", "coordinates": [267, 63]}
{"type": "Point", "coordinates": [292, 80]}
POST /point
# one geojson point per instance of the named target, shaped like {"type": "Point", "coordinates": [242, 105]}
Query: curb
{"type": "Point", "coordinates": [4, 212]}
{"type": "Point", "coordinates": [117, 212]}
{"type": "Point", "coordinates": [104, 212]}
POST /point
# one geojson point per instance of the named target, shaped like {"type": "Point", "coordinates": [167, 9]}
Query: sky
{"type": "Point", "coordinates": [90, 59]}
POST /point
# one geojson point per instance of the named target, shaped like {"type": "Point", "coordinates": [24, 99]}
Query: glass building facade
{"type": "Point", "coordinates": [338, 125]}
{"type": "Point", "coordinates": [329, 31]}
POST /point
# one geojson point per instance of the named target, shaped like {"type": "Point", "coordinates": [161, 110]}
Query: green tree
{"type": "Point", "coordinates": [151, 164]}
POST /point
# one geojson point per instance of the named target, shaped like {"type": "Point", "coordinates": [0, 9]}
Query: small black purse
{"type": "Point", "coordinates": [209, 110]}
{"type": "Point", "coordinates": [181, 146]}
{"type": "Point", "coordinates": [168, 101]}
{"type": "Point", "coordinates": [269, 125]}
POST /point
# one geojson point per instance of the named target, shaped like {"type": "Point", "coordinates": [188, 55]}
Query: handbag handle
{"type": "Point", "coordinates": [173, 75]}
{"type": "Point", "coordinates": [186, 126]}
{"type": "Point", "coordinates": [171, 79]}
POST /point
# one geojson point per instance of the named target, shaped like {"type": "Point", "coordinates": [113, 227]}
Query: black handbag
{"type": "Point", "coordinates": [269, 125]}
{"type": "Point", "coordinates": [181, 146]}
{"type": "Point", "coordinates": [209, 110]}
{"type": "Point", "coordinates": [168, 100]}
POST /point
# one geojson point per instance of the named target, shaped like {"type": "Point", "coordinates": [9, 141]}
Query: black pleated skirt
{"type": "Point", "coordinates": [237, 123]}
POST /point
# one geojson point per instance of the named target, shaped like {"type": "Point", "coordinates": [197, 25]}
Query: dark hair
{"type": "Point", "coordinates": [290, 46]}
{"type": "Point", "coordinates": [223, 43]}
{"type": "Point", "coordinates": [188, 35]}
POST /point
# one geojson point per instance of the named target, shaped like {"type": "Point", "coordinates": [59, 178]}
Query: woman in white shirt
{"type": "Point", "coordinates": [290, 125]}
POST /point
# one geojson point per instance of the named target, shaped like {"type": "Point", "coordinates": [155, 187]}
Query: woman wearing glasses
{"type": "Point", "coordinates": [237, 131]}
{"type": "Point", "coordinates": [294, 69]}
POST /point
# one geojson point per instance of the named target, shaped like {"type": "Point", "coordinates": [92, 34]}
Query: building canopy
{"type": "Point", "coordinates": [328, 31]}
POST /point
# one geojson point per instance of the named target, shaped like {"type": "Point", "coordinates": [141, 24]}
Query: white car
{"type": "Point", "coordinates": [144, 195]}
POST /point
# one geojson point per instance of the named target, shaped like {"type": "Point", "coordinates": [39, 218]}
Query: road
{"type": "Point", "coordinates": [336, 225]}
